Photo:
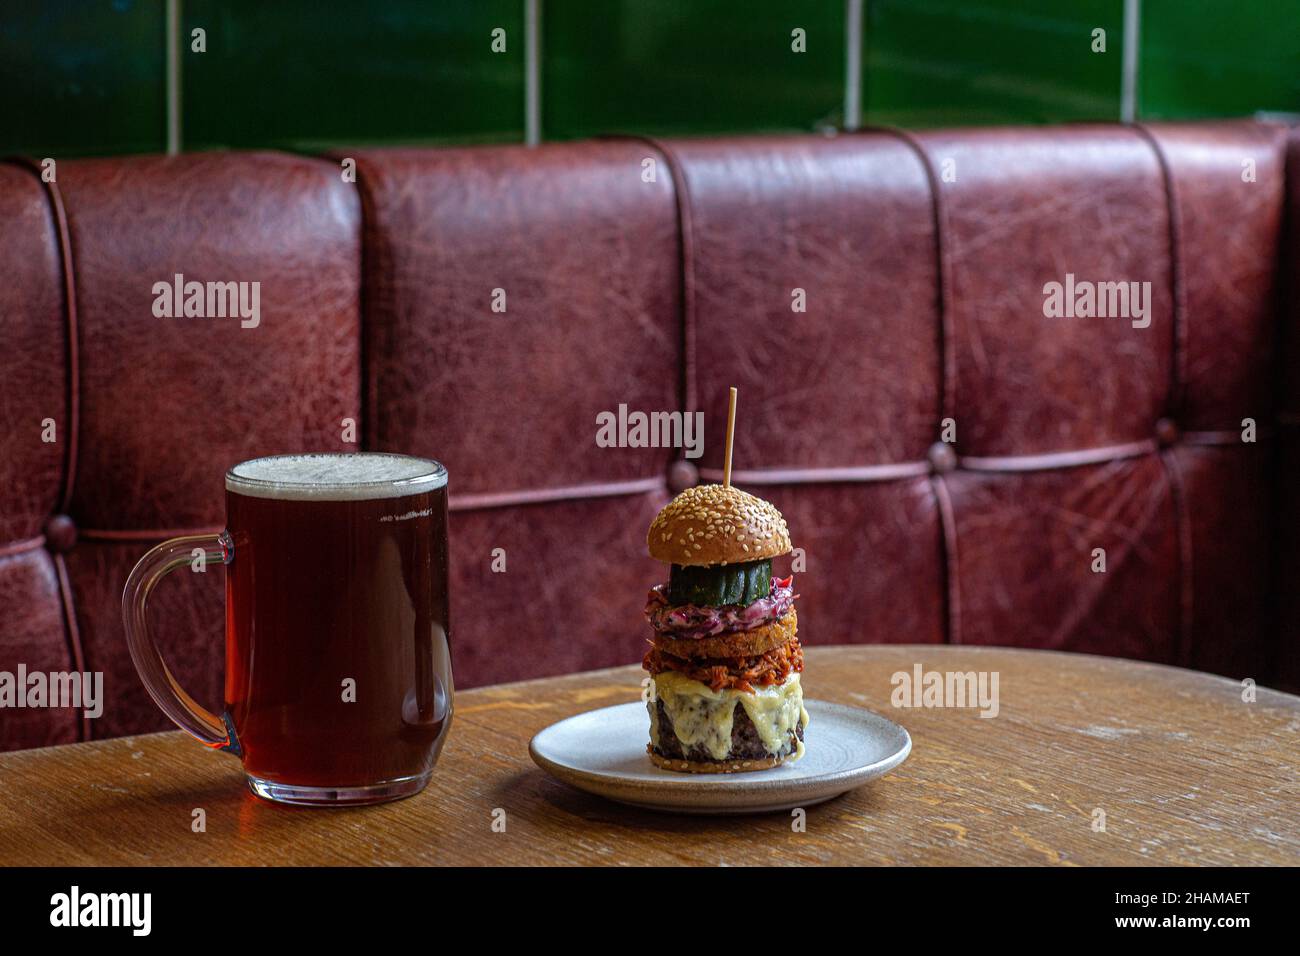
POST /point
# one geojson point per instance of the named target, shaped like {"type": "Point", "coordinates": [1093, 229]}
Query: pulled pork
{"type": "Point", "coordinates": [736, 673]}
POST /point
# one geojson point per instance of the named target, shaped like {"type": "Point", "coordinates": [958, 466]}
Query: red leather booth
{"type": "Point", "coordinates": [922, 259]}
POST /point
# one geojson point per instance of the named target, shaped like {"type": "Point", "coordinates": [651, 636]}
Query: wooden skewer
{"type": "Point", "coordinates": [731, 435]}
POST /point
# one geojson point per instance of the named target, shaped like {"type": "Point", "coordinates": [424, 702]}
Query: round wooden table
{"type": "Point", "coordinates": [1089, 760]}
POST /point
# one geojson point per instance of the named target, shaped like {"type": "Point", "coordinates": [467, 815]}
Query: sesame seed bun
{"type": "Point", "coordinates": [716, 524]}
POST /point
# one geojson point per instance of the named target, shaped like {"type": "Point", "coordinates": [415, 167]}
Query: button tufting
{"type": "Point", "coordinates": [682, 475]}
{"type": "Point", "coordinates": [60, 534]}
{"type": "Point", "coordinates": [942, 458]}
{"type": "Point", "coordinates": [1167, 432]}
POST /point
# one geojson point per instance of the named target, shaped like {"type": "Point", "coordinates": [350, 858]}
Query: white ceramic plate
{"type": "Point", "coordinates": [603, 752]}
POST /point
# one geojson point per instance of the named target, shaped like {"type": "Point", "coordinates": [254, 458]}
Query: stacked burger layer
{"type": "Point", "coordinates": [725, 659]}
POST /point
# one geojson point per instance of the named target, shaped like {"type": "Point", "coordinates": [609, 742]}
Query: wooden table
{"type": "Point", "coordinates": [1184, 770]}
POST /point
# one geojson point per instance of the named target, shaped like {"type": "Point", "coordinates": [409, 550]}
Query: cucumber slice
{"type": "Point", "coordinates": [720, 585]}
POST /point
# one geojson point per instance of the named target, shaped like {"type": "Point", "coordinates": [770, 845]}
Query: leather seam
{"type": "Point", "coordinates": [856, 474]}
{"type": "Point", "coordinates": [1178, 345]}
{"type": "Point", "coordinates": [16, 548]}
{"type": "Point", "coordinates": [72, 400]}
{"type": "Point", "coordinates": [500, 499]}
{"type": "Point", "coordinates": [1053, 461]}
{"type": "Point", "coordinates": [1006, 465]}
{"type": "Point", "coordinates": [1174, 401]}
{"type": "Point", "coordinates": [1183, 533]}
{"type": "Point", "coordinates": [686, 266]}
{"type": "Point", "coordinates": [73, 633]}
{"type": "Point", "coordinates": [943, 278]}
{"type": "Point", "coordinates": [72, 376]}
{"type": "Point", "coordinates": [951, 564]}
{"type": "Point", "coordinates": [947, 373]}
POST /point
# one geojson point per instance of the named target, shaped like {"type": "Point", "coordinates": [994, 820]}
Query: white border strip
{"type": "Point", "coordinates": [532, 72]}
{"type": "Point", "coordinates": [1128, 81]}
{"type": "Point", "coordinates": [173, 76]}
{"type": "Point", "coordinates": [852, 64]}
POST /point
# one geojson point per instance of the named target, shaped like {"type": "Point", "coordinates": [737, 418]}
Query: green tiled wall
{"type": "Point", "coordinates": [954, 62]}
{"type": "Point", "coordinates": [85, 77]}
{"type": "Point", "coordinates": [1219, 58]}
{"type": "Point", "coordinates": [81, 78]}
{"type": "Point", "coordinates": [311, 73]}
{"type": "Point", "coordinates": [665, 66]}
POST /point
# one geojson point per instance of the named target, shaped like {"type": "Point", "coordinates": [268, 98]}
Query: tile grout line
{"type": "Point", "coordinates": [852, 64]}
{"type": "Point", "coordinates": [172, 78]}
{"type": "Point", "coordinates": [532, 73]}
{"type": "Point", "coordinates": [1128, 91]}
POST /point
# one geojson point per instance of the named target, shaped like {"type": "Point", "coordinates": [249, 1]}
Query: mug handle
{"type": "Point", "coordinates": [184, 710]}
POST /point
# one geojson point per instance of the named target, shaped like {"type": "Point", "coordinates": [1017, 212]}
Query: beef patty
{"type": "Point", "coordinates": [745, 742]}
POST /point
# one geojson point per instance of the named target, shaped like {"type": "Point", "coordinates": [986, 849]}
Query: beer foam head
{"type": "Point", "coordinates": [336, 477]}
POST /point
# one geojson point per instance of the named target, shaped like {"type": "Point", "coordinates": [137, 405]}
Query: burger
{"type": "Point", "coordinates": [724, 660]}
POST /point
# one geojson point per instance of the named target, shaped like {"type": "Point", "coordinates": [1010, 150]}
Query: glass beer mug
{"type": "Point", "coordinates": [338, 664]}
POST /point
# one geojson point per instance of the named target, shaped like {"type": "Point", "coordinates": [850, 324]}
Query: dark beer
{"type": "Point", "coordinates": [338, 671]}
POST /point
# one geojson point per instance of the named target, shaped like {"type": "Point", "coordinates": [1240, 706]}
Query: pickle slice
{"type": "Point", "coordinates": [719, 585]}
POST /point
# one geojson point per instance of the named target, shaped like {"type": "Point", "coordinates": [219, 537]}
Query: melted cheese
{"type": "Point", "coordinates": [702, 717]}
